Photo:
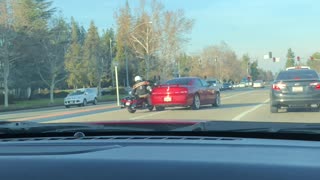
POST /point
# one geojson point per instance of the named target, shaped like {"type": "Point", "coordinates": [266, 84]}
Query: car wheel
{"type": "Point", "coordinates": [95, 101]}
{"type": "Point", "coordinates": [217, 101]}
{"type": "Point", "coordinates": [130, 110]}
{"type": "Point", "coordinates": [273, 109]}
{"type": "Point", "coordinates": [67, 106]}
{"type": "Point", "coordinates": [159, 108]}
{"type": "Point", "coordinates": [196, 102]}
{"type": "Point", "coordinates": [84, 103]}
{"type": "Point", "coordinates": [150, 108]}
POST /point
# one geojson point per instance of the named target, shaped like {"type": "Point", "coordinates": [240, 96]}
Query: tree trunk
{"type": "Point", "coordinates": [52, 85]}
{"type": "Point", "coordinates": [99, 87]}
{"type": "Point", "coordinates": [6, 92]}
{"type": "Point", "coordinates": [6, 72]}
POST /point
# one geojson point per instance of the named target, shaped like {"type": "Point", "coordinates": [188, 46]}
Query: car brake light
{"type": "Point", "coordinates": [316, 85]}
{"type": "Point", "coordinates": [278, 87]}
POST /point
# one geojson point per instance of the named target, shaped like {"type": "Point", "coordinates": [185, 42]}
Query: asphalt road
{"type": "Point", "coordinates": [244, 104]}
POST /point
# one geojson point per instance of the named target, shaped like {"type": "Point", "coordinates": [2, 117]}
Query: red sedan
{"type": "Point", "coordinates": [185, 91]}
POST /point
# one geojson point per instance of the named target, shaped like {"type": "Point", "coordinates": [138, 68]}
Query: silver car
{"type": "Point", "coordinates": [81, 97]}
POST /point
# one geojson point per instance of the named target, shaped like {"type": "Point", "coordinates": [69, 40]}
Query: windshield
{"type": "Point", "coordinates": [152, 61]}
{"type": "Point", "coordinates": [298, 74]}
{"type": "Point", "coordinates": [78, 92]}
{"type": "Point", "coordinates": [181, 81]}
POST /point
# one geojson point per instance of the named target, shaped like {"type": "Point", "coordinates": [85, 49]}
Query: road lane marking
{"type": "Point", "coordinates": [249, 111]}
{"type": "Point", "coordinates": [87, 117]}
{"type": "Point", "coordinates": [64, 113]}
{"type": "Point", "coordinates": [148, 115]}
{"type": "Point", "coordinates": [228, 97]}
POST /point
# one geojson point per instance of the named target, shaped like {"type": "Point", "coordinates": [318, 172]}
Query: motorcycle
{"type": "Point", "coordinates": [134, 103]}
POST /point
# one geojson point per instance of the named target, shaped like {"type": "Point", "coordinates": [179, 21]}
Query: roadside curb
{"type": "Point", "coordinates": [47, 106]}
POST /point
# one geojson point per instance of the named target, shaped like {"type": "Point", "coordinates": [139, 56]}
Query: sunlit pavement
{"type": "Point", "coordinates": [245, 104]}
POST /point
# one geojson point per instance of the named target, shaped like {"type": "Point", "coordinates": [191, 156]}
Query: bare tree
{"type": "Point", "coordinates": [51, 66]}
{"type": "Point", "coordinates": [7, 54]}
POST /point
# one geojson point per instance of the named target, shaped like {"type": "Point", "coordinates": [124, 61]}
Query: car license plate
{"type": "Point", "coordinates": [167, 99]}
{"type": "Point", "coordinates": [297, 89]}
{"type": "Point", "coordinates": [127, 103]}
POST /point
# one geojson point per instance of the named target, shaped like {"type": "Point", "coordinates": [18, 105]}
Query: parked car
{"type": "Point", "coordinates": [242, 84]}
{"type": "Point", "coordinates": [81, 97]}
{"type": "Point", "coordinates": [215, 83]}
{"type": "Point", "coordinates": [295, 88]}
{"type": "Point", "coordinates": [227, 86]}
{"type": "Point", "coordinates": [258, 84]}
{"type": "Point", "coordinates": [186, 92]}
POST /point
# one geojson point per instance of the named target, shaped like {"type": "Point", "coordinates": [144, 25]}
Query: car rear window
{"type": "Point", "coordinates": [179, 81]}
{"type": "Point", "coordinates": [297, 74]}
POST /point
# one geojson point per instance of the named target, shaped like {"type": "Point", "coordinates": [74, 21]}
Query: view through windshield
{"type": "Point", "coordinates": [159, 60]}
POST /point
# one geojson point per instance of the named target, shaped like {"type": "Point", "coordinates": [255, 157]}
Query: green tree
{"type": "Point", "coordinates": [73, 59]}
{"type": "Point", "coordinates": [315, 62]}
{"type": "Point", "coordinates": [92, 60]}
{"type": "Point", "coordinates": [245, 64]}
{"type": "Point", "coordinates": [107, 53]}
{"type": "Point", "coordinates": [290, 58]}
{"type": "Point", "coordinates": [254, 71]}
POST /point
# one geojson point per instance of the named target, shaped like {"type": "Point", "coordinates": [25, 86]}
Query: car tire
{"type": "Point", "coordinates": [150, 108]}
{"type": "Point", "coordinates": [196, 102]}
{"type": "Point", "coordinates": [130, 110]}
{"type": "Point", "coordinates": [159, 108]}
{"type": "Point", "coordinates": [274, 109]}
{"type": "Point", "coordinates": [84, 103]}
{"type": "Point", "coordinates": [67, 106]}
{"type": "Point", "coordinates": [95, 101]}
{"type": "Point", "coordinates": [217, 101]}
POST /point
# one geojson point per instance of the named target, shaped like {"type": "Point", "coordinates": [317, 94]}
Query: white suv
{"type": "Point", "coordinates": [81, 97]}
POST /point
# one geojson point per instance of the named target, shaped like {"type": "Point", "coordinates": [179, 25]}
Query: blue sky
{"type": "Point", "coordinates": [248, 26]}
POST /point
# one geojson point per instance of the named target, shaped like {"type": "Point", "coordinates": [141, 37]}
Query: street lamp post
{"type": "Point", "coordinates": [117, 83]}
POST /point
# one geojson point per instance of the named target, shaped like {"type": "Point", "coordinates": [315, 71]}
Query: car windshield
{"type": "Point", "coordinates": [75, 93]}
{"type": "Point", "coordinates": [159, 61]}
{"type": "Point", "coordinates": [182, 81]}
{"type": "Point", "coordinates": [298, 74]}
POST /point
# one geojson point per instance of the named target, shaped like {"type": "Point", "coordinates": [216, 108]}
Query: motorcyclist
{"type": "Point", "coordinates": [141, 89]}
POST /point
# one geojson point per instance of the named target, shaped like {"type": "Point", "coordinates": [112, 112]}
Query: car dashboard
{"type": "Point", "coordinates": [158, 157]}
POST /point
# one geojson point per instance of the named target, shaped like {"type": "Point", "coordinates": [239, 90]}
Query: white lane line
{"type": "Point", "coordinates": [236, 95]}
{"type": "Point", "coordinates": [249, 111]}
{"type": "Point", "coordinates": [148, 115]}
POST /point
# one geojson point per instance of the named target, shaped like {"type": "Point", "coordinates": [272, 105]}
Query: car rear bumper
{"type": "Point", "coordinates": [295, 100]}
{"type": "Point", "coordinates": [178, 100]}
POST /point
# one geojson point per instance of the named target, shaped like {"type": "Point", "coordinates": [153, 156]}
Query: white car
{"type": "Point", "coordinates": [258, 84]}
{"type": "Point", "coordinates": [216, 83]}
{"type": "Point", "coordinates": [81, 97]}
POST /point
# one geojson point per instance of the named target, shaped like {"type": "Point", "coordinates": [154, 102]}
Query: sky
{"type": "Point", "coordinates": [247, 26]}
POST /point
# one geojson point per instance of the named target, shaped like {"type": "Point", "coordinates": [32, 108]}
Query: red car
{"type": "Point", "coordinates": [187, 92]}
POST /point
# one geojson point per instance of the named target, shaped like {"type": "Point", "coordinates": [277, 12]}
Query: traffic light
{"type": "Point", "coordinates": [270, 55]}
{"type": "Point", "coordinates": [298, 58]}
{"type": "Point", "coordinates": [274, 59]}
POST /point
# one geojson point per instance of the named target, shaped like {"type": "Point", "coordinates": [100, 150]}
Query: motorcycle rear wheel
{"type": "Point", "coordinates": [130, 110]}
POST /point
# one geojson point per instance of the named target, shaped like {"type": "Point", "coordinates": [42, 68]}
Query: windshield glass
{"type": "Point", "coordinates": [298, 74]}
{"type": "Point", "coordinates": [78, 92]}
{"type": "Point", "coordinates": [159, 61]}
{"type": "Point", "coordinates": [181, 81]}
